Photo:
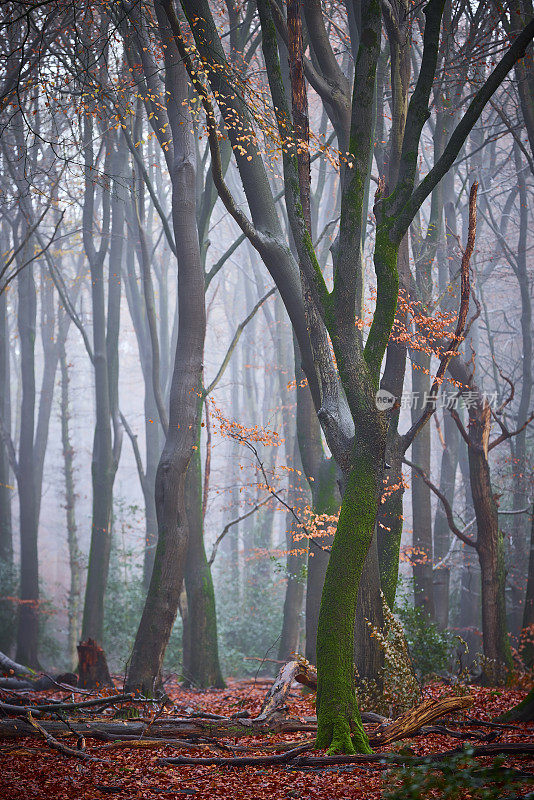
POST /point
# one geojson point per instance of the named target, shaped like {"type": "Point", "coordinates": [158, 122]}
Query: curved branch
{"type": "Point", "coordinates": [458, 337]}
{"type": "Point", "coordinates": [151, 191]}
{"type": "Point", "coordinates": [458, 137]}
{"type": "Point", "coordinates": [237, 335]}
{"type": "Point", "coordinates": [216, 162]}
{"type": "Point", "coordinates": [446, 505]}
{"type": "Point", "coordinates": [227, 527]}
{"type": "Point", "coordinates": [508, 435]}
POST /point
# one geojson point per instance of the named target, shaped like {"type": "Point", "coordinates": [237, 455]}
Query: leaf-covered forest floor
{"type": "Point", "coordinates": [29, 768]}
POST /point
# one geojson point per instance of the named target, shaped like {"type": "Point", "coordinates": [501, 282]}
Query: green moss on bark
{"type": "Point", "coordinates": [339, 727]}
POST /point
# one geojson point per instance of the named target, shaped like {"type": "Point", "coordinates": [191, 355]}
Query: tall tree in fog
{"type": "Point", "coordinates": [355, 429]}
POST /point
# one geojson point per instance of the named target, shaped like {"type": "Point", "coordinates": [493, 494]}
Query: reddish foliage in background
{"type": "Point", "coordinates": [31, 771]}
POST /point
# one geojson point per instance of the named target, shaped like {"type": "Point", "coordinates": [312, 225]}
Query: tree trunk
{"type": "Point", "coordinates": [442, 534]}
{"type": "Point", "coordinates": [7, 567]}
{"type": "Point", "coordinates": [339, 722]}
{"type": "Point", "coordinates": [389, 526]}
{"type": "Point", "coordinates": [295, 564]}
{"type": "Point", "coordinates": [522, 712]}
{"type": "Point", "coordinates": [368, 654]}
{"type": "Point", "coordinates": [527, 637]}
{"type": "Point", "coordinates": [104, 461]}
{"type": "Point", "coordinates": [92, 666]}
{"type": "Point", "coordinates": [152, 440]}
{"type": "Point", "coordinates": [326, 500]}
{"type": "Point", "coordinates": [519, 447]}
{"type": "Point", "coordinates": [201, 666]}
{"type": "Point", "coordinates": [147, 476]}
{"type": "Point", "coordinates": [165, 587]}
{"type": "Point", "coordinates": [490, 549]}
{"type": "Point", "coordinates": [469, 620]}
{"type": "Point", "coordinates": [70, 502]}
{"type": "Point", "coordinates": [28, 616]}
{"type": "Point", "coordinates": [421, 508]}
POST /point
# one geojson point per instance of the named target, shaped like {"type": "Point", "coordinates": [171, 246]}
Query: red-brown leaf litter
{"type": "Point", "coordinates": [31, 770]}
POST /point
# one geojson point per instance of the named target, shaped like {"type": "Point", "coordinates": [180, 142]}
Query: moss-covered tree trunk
{"type": "Point", "coordinates": [522, 712]}
{"type": "Point", "coordinates": [339, 723]}
{"type": "Point", "coordinates": [326, 500]}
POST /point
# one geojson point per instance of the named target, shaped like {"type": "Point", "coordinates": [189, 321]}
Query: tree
{"type": "Point", "coordinates": [361, 458]}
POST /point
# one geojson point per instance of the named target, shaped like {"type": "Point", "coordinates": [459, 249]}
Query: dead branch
{"type": "Point", "coordinates": [228, 525]}
{"type": "Point", "coordinates": [445, 503]}
{"type": "Point", "coordinates": [97, 701]}
{"type": "Point", "coordinates": [412, 721]}
{"type": "Point", "coordinates": [241, 761]}
{"type": "Point", "coordinates": [61, 748]}
{"type": "Point", "coordinates": [384, 759]}
{"type": "Point", "coordinates": [169, 727]}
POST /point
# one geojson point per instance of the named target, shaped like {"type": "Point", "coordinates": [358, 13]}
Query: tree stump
{"type": "Point", "coordinates": [92, 666]}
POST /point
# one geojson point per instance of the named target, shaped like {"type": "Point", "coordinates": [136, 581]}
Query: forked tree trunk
{"type": "Point", "coordinates": [106, 441]}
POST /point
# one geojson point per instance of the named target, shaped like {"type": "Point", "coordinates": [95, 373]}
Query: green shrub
{"type": "Point", "coordinates": [396, 690]}
{"type": "Point", "coordinates": [250, 625]}
{"type": "Point", "coordinates": [431, 649]}
{"type": "Point", "coordinates": [9, 585]}
{"type": "Point", "coordinates": [454, 779]}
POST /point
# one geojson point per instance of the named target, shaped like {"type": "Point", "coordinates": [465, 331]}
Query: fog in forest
{"type": "Point", "coordinates": [177, 361]}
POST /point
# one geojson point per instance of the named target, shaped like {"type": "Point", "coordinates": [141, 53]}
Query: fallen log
{"type": "Point", "coordinates": [385, 759]}
{"type": "Point", "coordinates": [175, 727]}
{"type": "Point", "coordinates": [232, 728]}
{"type": "Point", "coordinates": [17, 676]}
{"type": "Point", "coordinates": [412, 721]}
